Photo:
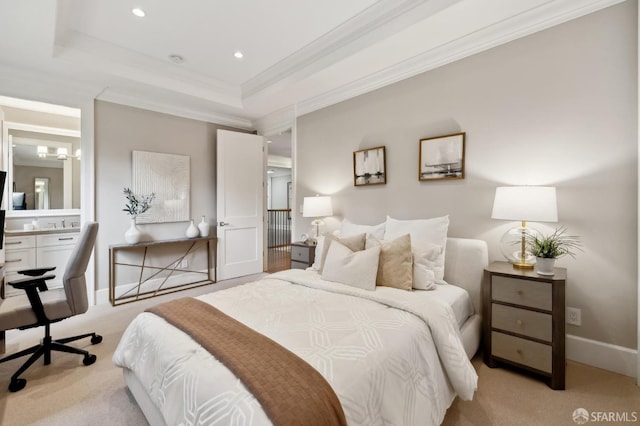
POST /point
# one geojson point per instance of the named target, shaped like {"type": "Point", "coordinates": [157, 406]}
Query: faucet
{"type": "Point", "coordinates": [62, 222]}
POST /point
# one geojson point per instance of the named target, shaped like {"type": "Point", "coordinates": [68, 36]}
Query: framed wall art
{"type": "Point", "coordinates": [369, 167]}
{"type": "Point", "coordinates": [442, 157]}
{"type": "Point", "coordinates": [167, 176]}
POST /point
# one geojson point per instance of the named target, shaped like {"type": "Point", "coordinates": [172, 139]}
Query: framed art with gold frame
{"type": "Point", "coordinates": [369, 167]}
{"type": "Point", "coordinates": [441, 157]}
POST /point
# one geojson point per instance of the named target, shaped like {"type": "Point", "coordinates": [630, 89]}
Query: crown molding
{"type": "Point", "coordinates": [382, 18]}
{"type": "Point", "coordinates": [276, 122]}
{"type": "Point", "coordinates": [48, 88]}
{"type": "Point", "coordinates": [174, 108]}
{"type": "Point", "coordinates": [538, 19]}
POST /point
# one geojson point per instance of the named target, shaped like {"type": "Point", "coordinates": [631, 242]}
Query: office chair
{"type": "Point", "coordinates": [42, 307]}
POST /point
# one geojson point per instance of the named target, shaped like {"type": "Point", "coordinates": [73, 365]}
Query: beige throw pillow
{"type": "Point", "coordinates": [353, 243]}
{"type": "Point", "coordinates": [395, 267]}
{"type": "Point", "coordinates": [354, 268]}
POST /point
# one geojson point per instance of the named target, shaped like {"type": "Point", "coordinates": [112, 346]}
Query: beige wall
{"type": "Point", "coordinates": [555, 108]}
{"type": "Point", "coordinates": [119, 130]}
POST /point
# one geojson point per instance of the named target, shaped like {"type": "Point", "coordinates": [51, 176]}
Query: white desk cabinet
{"type": "Point", "coordinates": [38, 251]}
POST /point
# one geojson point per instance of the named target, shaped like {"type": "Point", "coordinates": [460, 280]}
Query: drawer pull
{"type": "Point", "coordinates": [520, 292]}
{"type": "Point", "coordinates": [519, 322]}
{"type": "Point", "coordinates": [65, 239]}
{"type": "Point", "coordinates": [13, 242]}
{"type": "Point", "coordinates": [13, 261]}
{"type": "Point", "coordinates": [519, 352]}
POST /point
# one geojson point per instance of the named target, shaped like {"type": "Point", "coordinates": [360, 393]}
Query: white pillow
{"type": "Point", "coordinates": [349, 228]}
{"type": "Point", "coordinates": [358, 269]}
{"type": "Point", "coordinates": [425, 264]}
{"type": "Point", "coordinates": [317, 262]}
{"type": "Point", "coordinates": [423, 230]}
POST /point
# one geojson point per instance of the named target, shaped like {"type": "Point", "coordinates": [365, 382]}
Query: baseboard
{"type": "Point", "coordinates": [602, 355]}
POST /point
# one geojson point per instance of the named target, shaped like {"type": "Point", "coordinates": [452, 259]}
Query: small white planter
{"type": "Point", "coordinates": [544, 266]}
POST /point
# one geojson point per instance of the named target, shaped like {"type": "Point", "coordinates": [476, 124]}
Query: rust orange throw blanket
{"type": "Point", "coordinates": [290, 391]}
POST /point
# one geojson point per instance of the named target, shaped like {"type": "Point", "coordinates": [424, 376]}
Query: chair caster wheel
{"type": "Point", "coordinates": [89, 359]}
{"type": "Point", "coordinates": [96, 339]}
{"type": "Point", "coordinates": [17, 384]}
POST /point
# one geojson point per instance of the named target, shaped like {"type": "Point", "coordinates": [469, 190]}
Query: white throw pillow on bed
{"type": "Point", "coordinates": [432, 230]}
{"type": "Point", "coordinates": [425, 264]}
{"type": "Point", "coordinates": [349, 228]}
{"type": "Point", "coordinates": [354, 268]}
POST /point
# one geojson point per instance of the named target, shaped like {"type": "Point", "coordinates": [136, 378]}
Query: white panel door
{"type": "Point", "coordinates": [240, 205]}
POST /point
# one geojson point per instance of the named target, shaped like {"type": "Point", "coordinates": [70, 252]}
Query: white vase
{"type": "Point", "coordinates": [133, 235]}
{"type": "Point", "coordinates": [203, 226]}
{"type": "Point", "coordinates": [544, 266]}
{"type": "Point", "coordinates": [192, 230]}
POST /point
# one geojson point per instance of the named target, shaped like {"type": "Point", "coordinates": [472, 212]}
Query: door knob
{"type": "Point", "coordinates": [222, 224]}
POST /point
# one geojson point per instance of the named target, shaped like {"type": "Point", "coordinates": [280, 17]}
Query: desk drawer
{"type": "Point", "coordinates": [522, 321]}
{"type": "Point", "coordinates": [528, 293]}
{"type": "Point", "coordinates": [16, 260]}
{"type": "Point", "coordinates": [19, 242]}
{"type": "Point", "coordinates": [62, 239]}
{"type": "Point", "coordinates": [525, 352]}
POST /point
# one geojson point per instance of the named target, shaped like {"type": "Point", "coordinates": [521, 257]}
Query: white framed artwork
{"type": "Point", "coordinates": [168, 177]}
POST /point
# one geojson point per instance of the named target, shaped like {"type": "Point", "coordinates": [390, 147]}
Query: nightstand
{"type": "Point", "coordinates": [302, 255]}
{"type": "Point", "coordinates": [523, 321]}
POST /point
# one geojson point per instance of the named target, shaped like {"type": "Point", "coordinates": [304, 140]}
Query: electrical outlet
{"type": "Point", "coordinates": [184, 263]}
{"type": "Point", "coordinates": [574, 316]}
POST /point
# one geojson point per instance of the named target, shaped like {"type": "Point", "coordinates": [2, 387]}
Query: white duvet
{"type": "Point", "coordinates": [393, 357]}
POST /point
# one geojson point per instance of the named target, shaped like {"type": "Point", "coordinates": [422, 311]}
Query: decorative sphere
{"type": "Point", "coordinates": [511, 244]}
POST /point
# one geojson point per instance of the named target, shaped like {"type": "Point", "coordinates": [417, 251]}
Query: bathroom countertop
{"type": "Point", "coordinates": [21, 232]}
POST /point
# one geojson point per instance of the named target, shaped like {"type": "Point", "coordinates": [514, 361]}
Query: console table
{"type": "Point", "coordinates": [149, 269]}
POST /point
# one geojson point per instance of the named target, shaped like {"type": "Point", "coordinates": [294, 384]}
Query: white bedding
{"type": "Point", "coordinates": [455, 297]}
{"type": "Point", "coordinates": [381, 361]}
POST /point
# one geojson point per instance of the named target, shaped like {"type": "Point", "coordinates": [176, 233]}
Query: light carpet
{"type": "Point", "coordinates": [68, 393]}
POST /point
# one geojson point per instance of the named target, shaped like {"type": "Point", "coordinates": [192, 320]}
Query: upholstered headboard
{"type": "Point", "coordinates": [465, 260]}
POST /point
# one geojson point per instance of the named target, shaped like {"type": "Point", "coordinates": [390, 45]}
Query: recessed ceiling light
{"type": "Point", "coordinates": [269, 141]}
{"type": "Point", "coordinates": [238, 54]}
{"type": "Point", "coordinates": [270, 171]}
{"type": "Point", "coordinates": [176, 59]}
{"type": "Point", "coordinates": [138, 12]}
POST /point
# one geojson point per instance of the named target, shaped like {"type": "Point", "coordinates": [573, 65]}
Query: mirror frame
{"type": "Point", "coordinates": [8, 166]}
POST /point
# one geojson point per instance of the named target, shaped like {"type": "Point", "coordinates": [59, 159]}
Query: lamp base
{"type": "Point", "coordinates": [522, 265]}
{"type": "Point", "coordinates": [511, 247]}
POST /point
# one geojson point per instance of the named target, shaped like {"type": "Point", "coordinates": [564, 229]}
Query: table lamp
{"type": "Point", "coordinates": [317, 207]}
{"type": "Point", "coordinates": [523, 203]}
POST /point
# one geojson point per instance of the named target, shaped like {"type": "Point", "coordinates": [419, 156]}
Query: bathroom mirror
{"type": "Point", "coordinates": [43, 168]}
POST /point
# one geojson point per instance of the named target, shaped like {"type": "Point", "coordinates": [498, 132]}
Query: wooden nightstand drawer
{"type": "Point", "coordinates": [522, 321]}
{"type": "Point", "coordinates": [522, 292]}
{"type": "Point", "coordinates": [526, 352]}
{"type": "Point", "coordinates": [300, 253]}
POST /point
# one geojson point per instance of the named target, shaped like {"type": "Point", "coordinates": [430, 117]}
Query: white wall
{"type": "Point", "coordinates": [555, 108]}
{"type": "Point", "coordinates": [120, 130]}
{"type": "Point", "coordinates": [279, 193]}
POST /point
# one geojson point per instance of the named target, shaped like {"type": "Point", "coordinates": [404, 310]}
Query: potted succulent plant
{"type": "Point", "coordinates": [547, 248]}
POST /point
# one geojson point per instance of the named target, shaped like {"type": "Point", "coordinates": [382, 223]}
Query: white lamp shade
{"type": "Point", "coordinates": [529, 203]}
{"type": "Point", "coordinates": [317, 207]}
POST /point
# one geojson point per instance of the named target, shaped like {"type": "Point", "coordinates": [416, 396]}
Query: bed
{"type": "Point", "coordinates": [350, 335]}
